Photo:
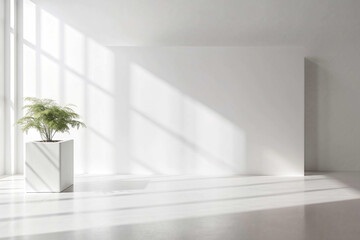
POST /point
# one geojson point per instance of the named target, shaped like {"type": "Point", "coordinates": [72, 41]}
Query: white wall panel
{"type": "Point", "coordinates": [327, 29]}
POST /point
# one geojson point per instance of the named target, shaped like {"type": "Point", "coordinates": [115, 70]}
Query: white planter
{"type": "Point", "coordinates": [49, 166]}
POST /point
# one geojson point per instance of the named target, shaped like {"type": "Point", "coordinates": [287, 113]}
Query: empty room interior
{"type": "Point", "coordinates": [179, 119]}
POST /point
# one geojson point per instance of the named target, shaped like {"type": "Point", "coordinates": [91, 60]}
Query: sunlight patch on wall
{"type": "Point", "coordinates": [175, 134]}
{"type": "Point", "coordinates": [29, 71]}
{"type": "Point", "coordinates": [101, 113]}
{"type": "Point", "coordinates": [100, 66]}
{"type": "Point", "coordinates": [74, 47]}
{"type": "Point", "coordinates": [50, 34]}
{"type": "Point", "coordinates": [50, 78]}
{"type": "Point", "coordinates": [74, 91]}
{"type": "Point", "coordinates": [29, 21]}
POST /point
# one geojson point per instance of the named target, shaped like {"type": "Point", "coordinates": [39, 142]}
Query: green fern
{"type": "Point", "coordinates": [48, 118]}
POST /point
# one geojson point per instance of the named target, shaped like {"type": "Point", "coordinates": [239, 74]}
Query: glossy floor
{"type": "Point", "coordinates": [318, 206]}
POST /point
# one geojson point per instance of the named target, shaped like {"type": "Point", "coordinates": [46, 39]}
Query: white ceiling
{"type": "Point", "coordinates": [211, 22]}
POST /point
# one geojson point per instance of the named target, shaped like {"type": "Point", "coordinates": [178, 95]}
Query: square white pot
{"type": "Point", "coordinates": [49, 166]}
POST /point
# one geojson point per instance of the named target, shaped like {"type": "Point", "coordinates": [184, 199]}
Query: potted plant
{"type": "Point", "coordinates": [49, 162]}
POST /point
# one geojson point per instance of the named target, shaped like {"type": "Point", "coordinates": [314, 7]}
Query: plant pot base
{"type": "Point", "coordinates": [49, 166]}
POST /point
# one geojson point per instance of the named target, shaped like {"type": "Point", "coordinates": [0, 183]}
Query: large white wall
{"type": "Point", "coordinates": [180, 110]}
{"type": "Point", "coordinates": [206, 110]}
{"type": "Point", "coordinates": [2, 87]}
{"type": "Point", "coordinates": [327, 29]}
{"type": "Point", "coordinates": [169, 110]}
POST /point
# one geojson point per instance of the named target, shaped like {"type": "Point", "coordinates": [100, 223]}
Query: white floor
{"type": "Point", "coordinates": [318, 206]}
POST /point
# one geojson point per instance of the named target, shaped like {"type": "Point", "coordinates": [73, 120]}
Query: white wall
{"type": "Point", "coordinates": [180, 110]}
{"type": "Point", "coordinates": [211, 110]}
{"type": "Point", "coordinates": [2, 86]}
{"type": "Point", "coordinates": [328, 30]}
{"type": "Point", "coordinates": [169, 110]}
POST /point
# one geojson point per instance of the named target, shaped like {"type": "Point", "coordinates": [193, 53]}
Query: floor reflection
{"type": "Point", "coordinates": [317, 206]}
